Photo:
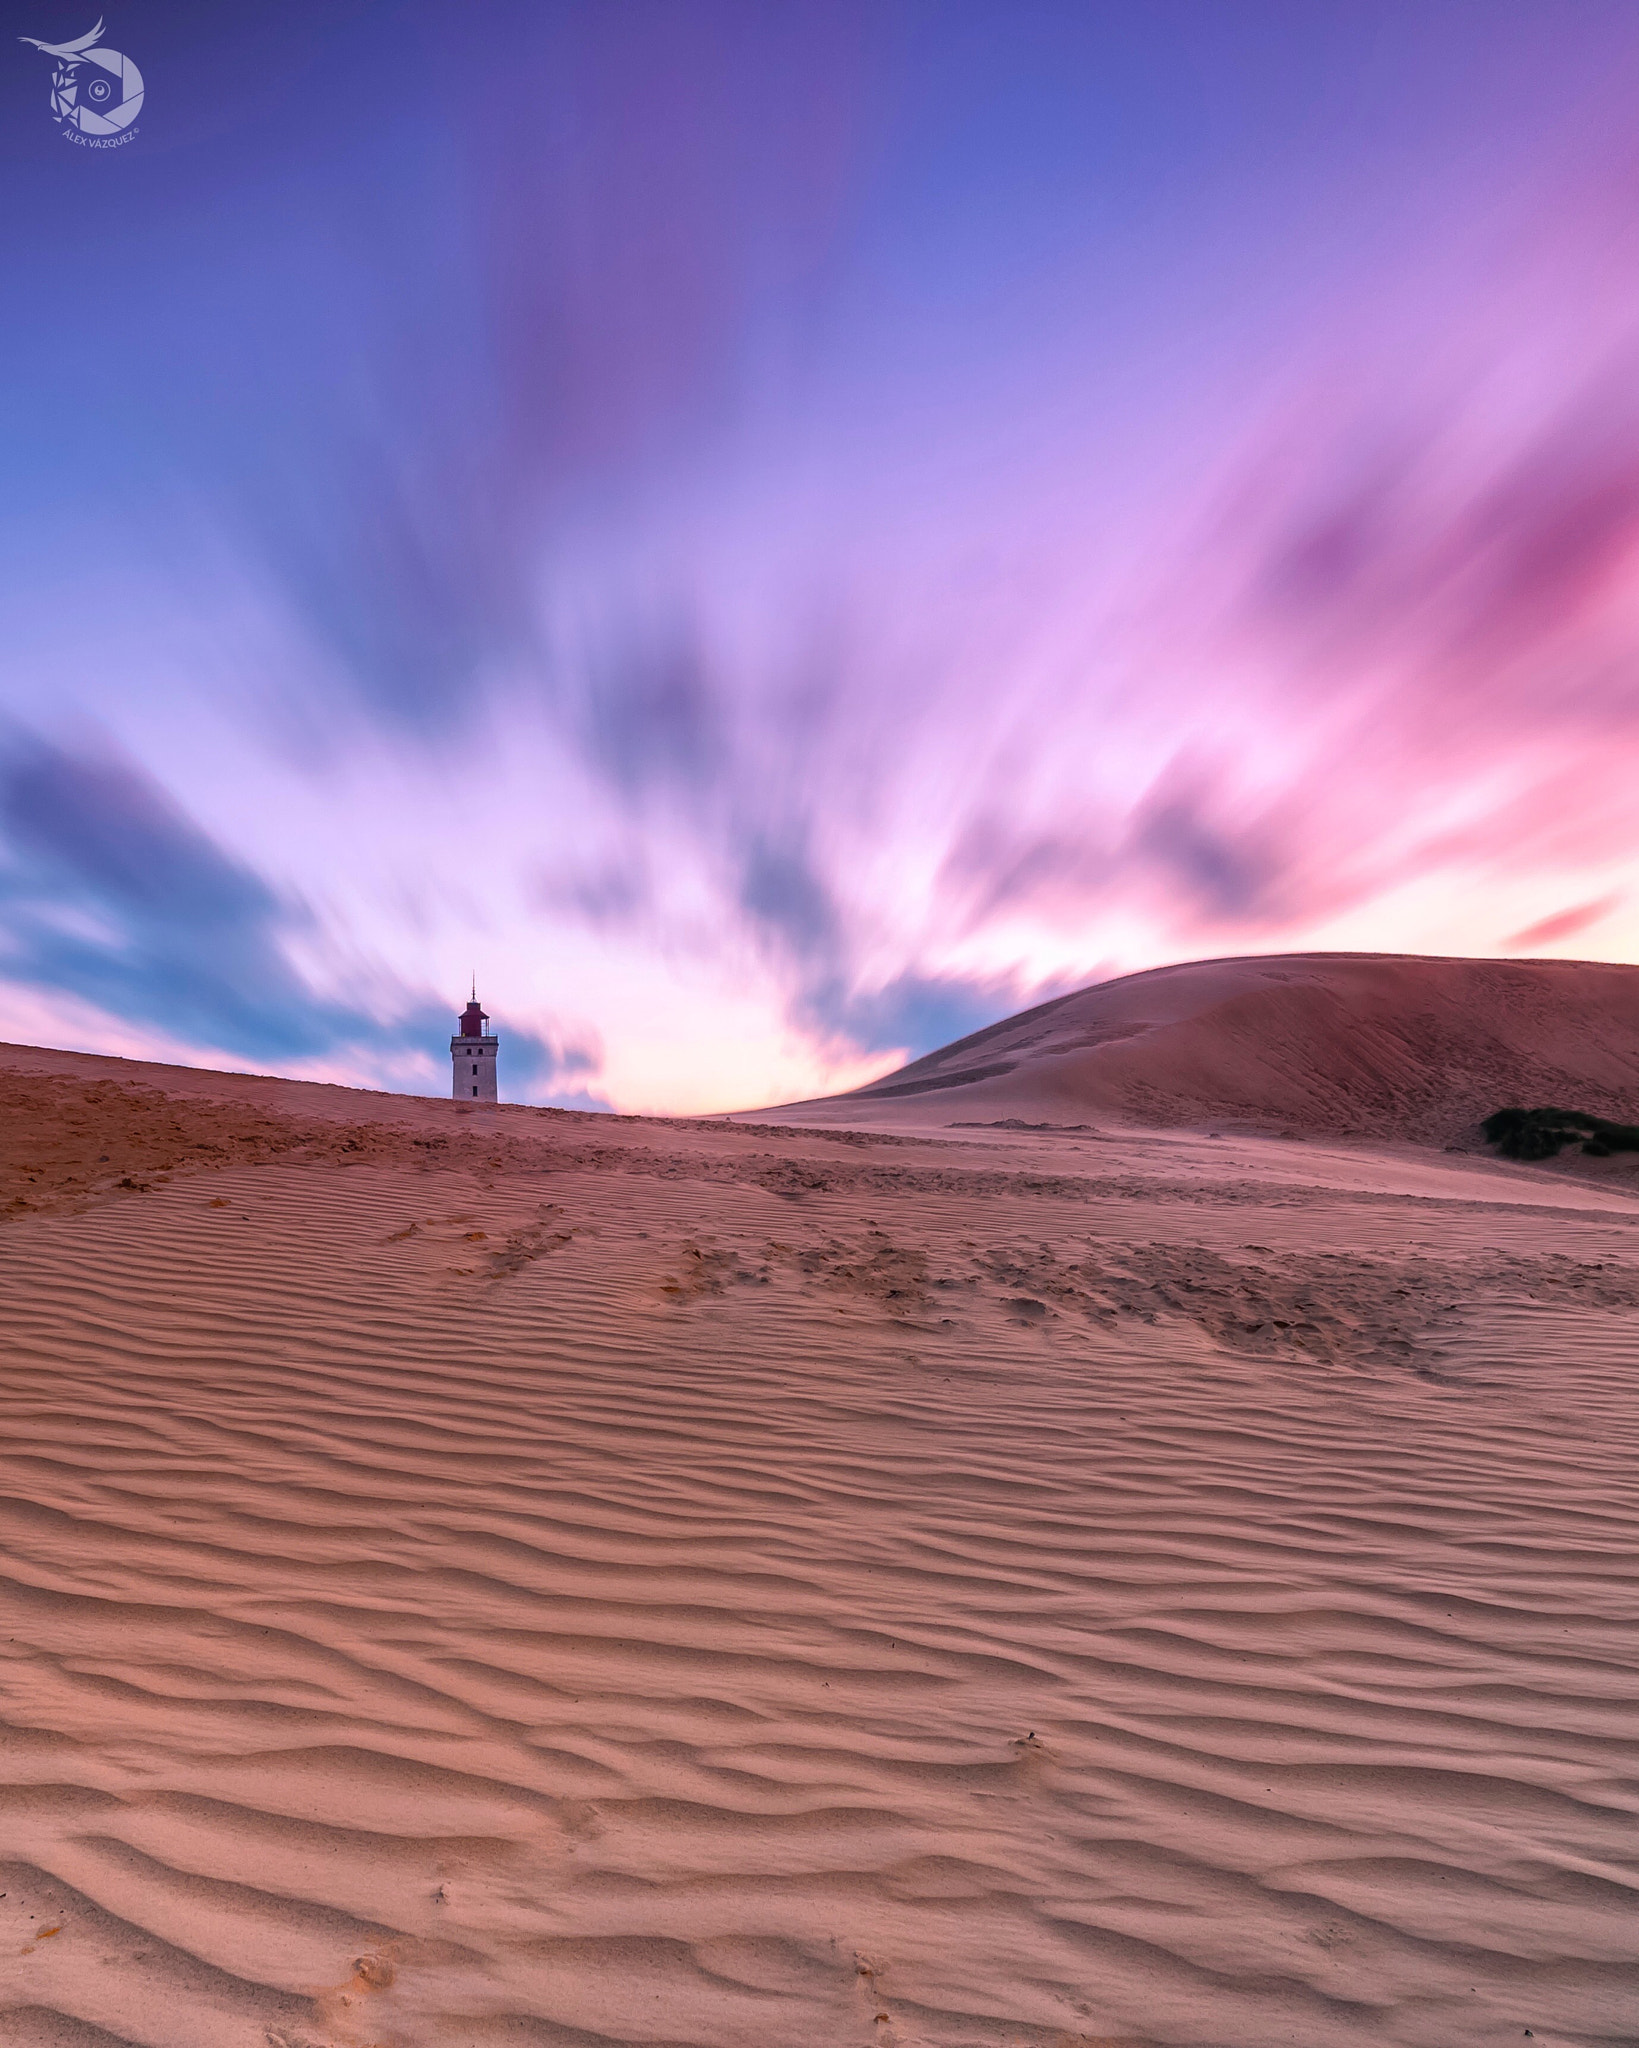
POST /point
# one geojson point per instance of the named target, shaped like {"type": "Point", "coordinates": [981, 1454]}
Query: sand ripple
{"type": "Point", "coordinates": [714, 1611]}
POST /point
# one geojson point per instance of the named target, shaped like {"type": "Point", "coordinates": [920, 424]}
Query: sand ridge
{"type": "Point", "coordinates": [1369, 1045]}
{"type": "Point", "coordinates": [618, 1582]}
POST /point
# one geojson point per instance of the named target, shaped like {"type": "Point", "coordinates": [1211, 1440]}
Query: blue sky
{"type": "Point", "coordinates": [778, 535]}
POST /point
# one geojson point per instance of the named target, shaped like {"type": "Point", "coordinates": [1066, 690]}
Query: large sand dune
{"type": "Point", "coordinates": [494, 1577]}
{"type": "Point", "coordinates": [1374, 1045]}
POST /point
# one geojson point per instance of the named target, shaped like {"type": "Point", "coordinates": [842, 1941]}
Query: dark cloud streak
{"type": "Point", "coordinates": [112, 894]}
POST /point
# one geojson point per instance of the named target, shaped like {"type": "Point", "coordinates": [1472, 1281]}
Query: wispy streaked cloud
{"type": "Point", "coordinates": [112, 896]}
{"type": "Point", "coordinates": [779, 536]}
{"type": "Point", "coordinates": [1565, 924]}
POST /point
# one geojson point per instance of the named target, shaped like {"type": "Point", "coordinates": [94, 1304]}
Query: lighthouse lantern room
{"type": "Point", "coordinates": [472, 1055]}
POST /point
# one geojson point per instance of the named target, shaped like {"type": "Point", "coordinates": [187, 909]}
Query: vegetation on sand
{"type": "Point", "coordinates": [1540, 1133]}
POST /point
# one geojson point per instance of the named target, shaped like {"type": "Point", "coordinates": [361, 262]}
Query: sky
{"type": "Point", "coordinates": [773, 535]}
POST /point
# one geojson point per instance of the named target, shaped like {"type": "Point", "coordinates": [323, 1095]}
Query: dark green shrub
{"type": "Point", "coordinates": [1541, 1133]}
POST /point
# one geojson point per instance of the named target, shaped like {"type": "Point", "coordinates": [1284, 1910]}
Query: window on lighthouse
{"type": "Point", "coordinates": [475, 1066]}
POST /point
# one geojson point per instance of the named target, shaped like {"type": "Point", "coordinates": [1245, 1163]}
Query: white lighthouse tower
{"type": "Point", "coordinates": [472, 1055]}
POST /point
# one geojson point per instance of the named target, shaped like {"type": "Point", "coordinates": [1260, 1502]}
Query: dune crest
{"type": "Point", "coordinates": [1327, 1044]}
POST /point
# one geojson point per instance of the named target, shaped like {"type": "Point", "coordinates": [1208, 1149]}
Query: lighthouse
{"type": "Point", "coordinates": [472, 1055]}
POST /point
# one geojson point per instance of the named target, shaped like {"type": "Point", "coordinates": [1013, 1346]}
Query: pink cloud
{"type": "Point", "coordinates": [1565, 924]}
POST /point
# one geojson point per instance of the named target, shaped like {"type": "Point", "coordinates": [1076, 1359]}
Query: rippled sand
{"type": "Point", "coordinates": [504, 1579]}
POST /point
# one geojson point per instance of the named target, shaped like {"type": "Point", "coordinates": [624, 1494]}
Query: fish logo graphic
{"type": "Point", "coordinates": [94, 91]}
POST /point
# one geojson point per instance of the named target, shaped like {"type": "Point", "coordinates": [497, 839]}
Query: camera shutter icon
{"type": "Point", "coordinates": [99, 89]}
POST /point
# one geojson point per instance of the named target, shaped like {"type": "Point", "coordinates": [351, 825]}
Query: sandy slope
{"type": "Point", "coordinates": [1376, 1045]}
{"type": "Point", "coordinates": [502, 1578]}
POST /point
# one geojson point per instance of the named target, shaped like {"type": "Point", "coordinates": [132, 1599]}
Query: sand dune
{"type": "Point", "coordinates": [498, 1577]}
{"type": "Point", "coordinates": [1334, 1044]}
